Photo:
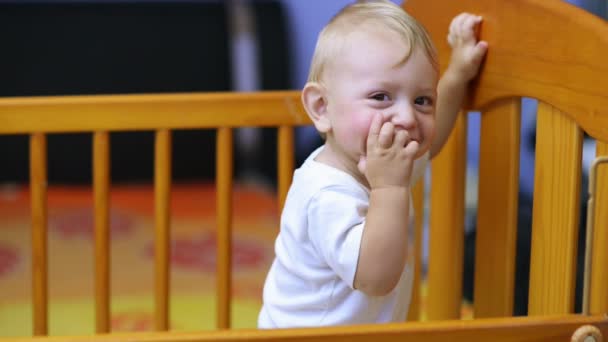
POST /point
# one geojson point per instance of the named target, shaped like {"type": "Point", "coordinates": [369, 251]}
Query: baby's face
{"type": "Point", "coordinates": [370, 76]}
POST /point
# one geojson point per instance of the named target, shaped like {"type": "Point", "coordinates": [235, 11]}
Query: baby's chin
{"type": "Point", "coordinates": [422, 152]}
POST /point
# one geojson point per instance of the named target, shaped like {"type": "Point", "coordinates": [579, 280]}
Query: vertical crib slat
{"type": "Point", "coordinates": [162, 200]}
{"type": "Point", "coordinates": [497, 210]}
{"type": "Point", "coordinates": [224, 225]}
{"type": "Point", "coordinates": [418, 199]}
{"type": "Point", "coordinates": [101, 185]}
{"type": "Point", "coordinates": [555, 219]}
{"type": "Point", "coordinates": [599, 273]}
{"type": "Point", "coordinates": [447, 226]}
{"type": "Point", "coordinates": [38, 185]}
{"type": "Point", "coordinates": [285, 160]}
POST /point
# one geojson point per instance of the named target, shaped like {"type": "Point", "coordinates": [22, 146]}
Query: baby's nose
{"type": "Point", "coordinates": [404, 117]}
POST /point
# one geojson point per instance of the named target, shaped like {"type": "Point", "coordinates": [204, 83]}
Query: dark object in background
{"type": "Point", "coordinates": [274, 58]}
{"type": "Point", "coordinates": [110, 47]}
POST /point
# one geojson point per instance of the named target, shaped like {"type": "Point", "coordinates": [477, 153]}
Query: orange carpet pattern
{"type": "Point", "coordinates": [193, 257]}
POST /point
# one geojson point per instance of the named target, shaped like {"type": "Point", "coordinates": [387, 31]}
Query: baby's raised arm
{"type": "Point", "coordinates": [388, 168]}
{"type": "Point", "coordinates": [467, 55]}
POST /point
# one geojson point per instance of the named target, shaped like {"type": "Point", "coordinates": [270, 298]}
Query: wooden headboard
{"type": "Point", "coordinates": [554, 52]}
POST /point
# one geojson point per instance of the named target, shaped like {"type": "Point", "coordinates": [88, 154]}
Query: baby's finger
{"type": "Point", "coordinates": [468, 28]}
{"type": "Point", "coordinates": [480, 50]}
{"type": "Point", "coordinates": [450, 39]}
{"type": "Point", "coordinates": [464, 26]}
{"type": "Point", "coordinates": [401, 138]}
{"type": "Point", "coordinates": [454, 28]}
{"type": "Point", "coordinates": [362, 164]}
{"type": "Point", "coordinates": [411, 149]}
{"type": "Point", "coordinates": [385, 139]}
{"type": "Point", "coordinates": [374, 131]}
{"type": "Point", "coordinates": [476, 26]}
{"type": "Point", "coordinates": [458, 22]}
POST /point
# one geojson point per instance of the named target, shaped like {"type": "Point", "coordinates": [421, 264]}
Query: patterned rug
{"type": "Point", "coordinates": [193, 259]}
{"type": "Point", "coordinates": [71, 260]}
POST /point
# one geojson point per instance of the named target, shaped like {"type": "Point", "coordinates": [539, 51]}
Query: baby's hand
{"type": "Point", "coordinates": [467, 52]}
{"type": "Point", "coordinates": [390, 155]}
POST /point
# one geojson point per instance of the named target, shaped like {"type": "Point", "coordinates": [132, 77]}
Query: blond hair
{"type": "Point", "coordinates": [381, 13]}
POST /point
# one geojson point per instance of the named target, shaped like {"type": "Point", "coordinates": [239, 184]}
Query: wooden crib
{"type": "Point", "coordinates": [544, 49]}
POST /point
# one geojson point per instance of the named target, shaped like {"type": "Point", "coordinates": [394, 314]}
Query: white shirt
{"type": "Point", "coordinates": [310, 282]}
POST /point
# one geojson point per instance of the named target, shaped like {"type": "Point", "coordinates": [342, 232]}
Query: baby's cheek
{"type": "Point", "coordinates": [360, 130]}
{"type": "Point", "coordinates": [428, 131]}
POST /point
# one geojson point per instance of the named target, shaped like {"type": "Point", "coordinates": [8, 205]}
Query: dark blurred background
{"type": "Point", "coordinates": [111, 47]}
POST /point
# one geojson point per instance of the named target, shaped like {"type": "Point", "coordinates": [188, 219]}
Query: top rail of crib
{"type": "Point", "coordinates": [87, 113]}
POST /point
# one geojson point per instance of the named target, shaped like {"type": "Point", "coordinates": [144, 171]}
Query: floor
{"type": "Point", "coordinates": [71, 262]}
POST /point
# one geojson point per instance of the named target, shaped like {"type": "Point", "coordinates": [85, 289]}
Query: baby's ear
{"type": "Point", "coordinates": [315, 103]}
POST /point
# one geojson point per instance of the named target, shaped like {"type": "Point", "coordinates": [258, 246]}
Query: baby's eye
{"type": "Point", "coordinates": [380, 97]}
{"type": "Point", "coordinates": [423, 101]}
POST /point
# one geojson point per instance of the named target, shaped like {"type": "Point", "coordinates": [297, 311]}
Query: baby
{"type": "Point", "coordinates": [343, 253]}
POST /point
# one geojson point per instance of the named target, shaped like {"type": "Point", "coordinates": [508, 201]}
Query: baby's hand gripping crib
{"type": "Point", "coordinates": [544, 49]}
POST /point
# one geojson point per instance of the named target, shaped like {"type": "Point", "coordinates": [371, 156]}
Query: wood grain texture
{"type": "Point", "coordinates": [286, 151]}
{"type": "Point", "coordinates": [447, 226]}
{"type": "Point", "coordinates": [532, 53]}
{"type": "Point", "coordinates": [101, 190]}
{"type": "Point", "coordinates": [497, 210]}
{"type": "Point", "coordinates": [556, 207]}
{"type": "Point", "coordinates": [521, 329]}
{"type": "Point", "coordinates": [38, 186]}
{"type": "Point", "coordinates": [224, 167]}
{"type": "Point", "coordinates": [162, 220]}
{"type": "Point", "coordinates": [415, 311]}
{"type": "Point", "coordinates": [150, 112]}
{"type": "Point", "coordinates": [599, 274]}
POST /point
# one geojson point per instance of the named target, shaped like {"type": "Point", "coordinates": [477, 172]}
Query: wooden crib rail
{"type": "Point", "coordinates": [556, 213]}
{"type": "Point", "coordinates": [500, 136]}
{"type": "Point", "coordinates": [101, 194]}
{"type": "Point", "coordinates": [556, 328]}
{"type": "Point", "coordinates": [38, 116]}
{"type": "Point", "coordinates": [62, 114]}
{"type": "Point", "coordinates": [162, 205]}
{"type": "Point", "coordinates": [38, 170]}
{"type": "Point", "coordinates": [554, 52]}
{"type": "Point", "coordinates": [599, 277]}
{"type": "Point", "coordinates": [549, 50]}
